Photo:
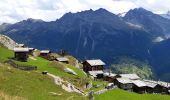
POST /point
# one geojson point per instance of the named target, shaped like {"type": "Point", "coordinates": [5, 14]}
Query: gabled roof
{"type": "Point", "coordinates": [45, 51]}
{"type": "Point", "coordinates": [95, 73]}
{"type": "Point", "coordinates": [124, 80]}
{"type": "Point", "coordinates": [20, 45]}
{"type": "Point", "coordinates": [164, 84]}
{"type": "Point", "coordinates": [139, 83]}
{"type": "Point", "coordinates": [62, 59]}
{"type": "Point", "coordinates": [31, 48]}
{"type": "Point", "coordinates": [109, 74]}
{"type": "Point", "coordinates": [21, 50]}
{"type": "Point", "coordinates": [95, 62]}
{"type": "Point", "coordinates": [130, 76]}
{"type": "Point", "coordinates": [150, 83]}
{"type": "Point", "coordinates": [161, 83]}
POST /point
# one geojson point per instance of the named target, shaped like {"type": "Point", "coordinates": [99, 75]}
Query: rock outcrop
{"type": "Point", "coordinates": [8, 42]}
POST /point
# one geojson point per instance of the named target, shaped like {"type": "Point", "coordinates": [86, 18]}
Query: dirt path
{"type": "Point", "coordinates": [64, 84]}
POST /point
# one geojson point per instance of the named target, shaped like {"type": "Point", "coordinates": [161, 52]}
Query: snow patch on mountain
{"type": "Point", "coordinates": [134, 25]}
{"type": "Point", "coordinates": [159, 39]}
{"type": "Point", "coordinates": [122, 14]}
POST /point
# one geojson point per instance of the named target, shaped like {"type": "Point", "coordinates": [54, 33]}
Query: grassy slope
{"type": "Point", "coordinates": [57, 69]}
{"type": "Point", "coordinates": [52, 67]}
{"type": "Point", "coordinates": [118, 94]}
{"type": "Point", "coordinates": [4, 96]}
{"type": "Point", "coordinates": [5, 53]}
{"type": "Point", "coordinates": [41, 63]}
{"type": "Point", "coordinates": [31, 85]}
{"type": "Point", "coordinates": [98, 85]}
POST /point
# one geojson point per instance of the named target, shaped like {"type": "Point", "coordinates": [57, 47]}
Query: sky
{"type": "Point", "coordinates": [12, 11]}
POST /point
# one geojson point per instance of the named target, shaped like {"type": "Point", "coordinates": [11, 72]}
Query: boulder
{"type": "Point", "coordinates": [70, 71]}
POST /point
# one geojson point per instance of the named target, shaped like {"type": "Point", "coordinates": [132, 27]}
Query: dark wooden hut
{"type": "Point", "coordinates": [63, 60]}
{"type": "Point", "coordinates": [21, 54]}
{"type": "Point", "coordinates": [124, 83]}
{"type": "Point", "coordinates": [92, 65]}
{"type": "Point", "coordinates": [46, 54]}
{"type": "Point", "coordinates": [139, 86]}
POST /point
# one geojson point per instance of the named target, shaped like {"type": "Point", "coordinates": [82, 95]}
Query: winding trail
{"type": "Point", "coordinates": [65, 84]}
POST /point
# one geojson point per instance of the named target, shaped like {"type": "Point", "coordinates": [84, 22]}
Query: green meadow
{"type": "Point", "coordinates": [118, 94]}
{"type": "Point", "coordinates": [31, 86]}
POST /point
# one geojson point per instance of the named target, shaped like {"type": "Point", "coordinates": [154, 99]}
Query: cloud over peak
{"type": "Point", "coordinates": [12, 11]}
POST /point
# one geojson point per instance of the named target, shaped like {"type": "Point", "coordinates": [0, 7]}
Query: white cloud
{"type": "Point", "coordinates": [12, 11]}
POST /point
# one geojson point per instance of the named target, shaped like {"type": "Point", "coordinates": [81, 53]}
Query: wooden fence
{"type": "Point", "coordinates": [21, 67]}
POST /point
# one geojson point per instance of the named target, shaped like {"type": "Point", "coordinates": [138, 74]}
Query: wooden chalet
{"type": "Point", "coordinates": [96, 75]}
{"type": "Point", "coordinates": [150, 86]}
{"type": "Point", "coordinates": [45, 53]}
{"type": "Point", "coordinates": [21, 54]}
{"type": "Point", "coordinates": [124, 83]}
{"type": "Point", "coordinates": [130, 76]}
{"type": "Point", "coordinates": [132, 82]}
{"type": "Point", "coordinates": [63, 60]}
{"type": "Point", "coordinates": [139, 86]}
{"type": "Point", "coordinates": [110, 77]}
{"type": "Point", "coordinates": [21, 45]}
{"type": "Point", "coordinates": [93, 65]}
{"type": "Point", "coordinates": [162, 87]}
{"type": "Point", "coordinates": [158, 86]}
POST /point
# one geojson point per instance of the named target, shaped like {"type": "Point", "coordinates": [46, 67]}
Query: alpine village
{"type": "Point", "coordinates": [86, 54]}
{"type": "Point", "coordinates": [87, 79]}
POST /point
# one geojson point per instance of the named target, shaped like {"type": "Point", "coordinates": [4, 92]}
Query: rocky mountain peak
{"type": "Point", "coordinates": [31, 20]}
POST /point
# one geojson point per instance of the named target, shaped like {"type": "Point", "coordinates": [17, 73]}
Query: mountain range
{"type": "Point", "coordinates": [139, 34]}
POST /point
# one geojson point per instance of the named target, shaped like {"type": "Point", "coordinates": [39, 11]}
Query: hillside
{"type": "Point", "coordinates": [54, 68]}
{"type": "Point", "coordinates": [118, 94]}
{"type": "Point", "coordinates": [30, 86]}
{"type": "Point", "coordinates": [160, 54]}
{"type": "Point", "coordinates": [42, 64]}
{"type": "Point", "coordinates": [5, 53]}
{"type": "Point", "coordinates": [129, 65]}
